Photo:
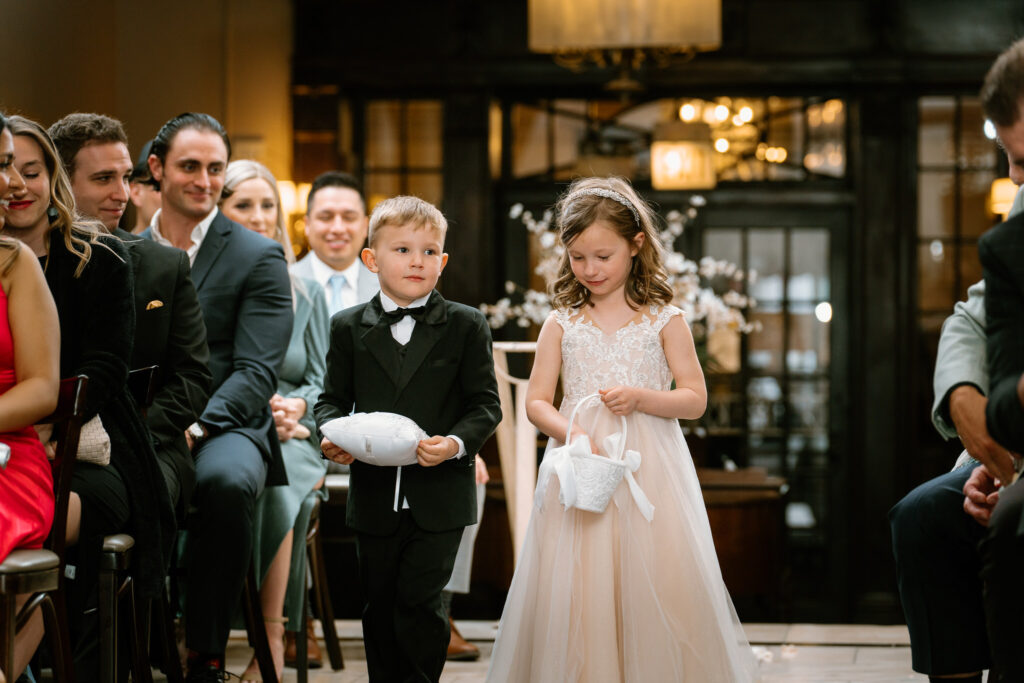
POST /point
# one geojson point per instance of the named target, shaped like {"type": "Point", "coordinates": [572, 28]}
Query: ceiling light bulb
{"type": "Point", "coordinates": [687, 112]}
{"type": "Point", "coordinates": [721, 112]}
{"type": "Point", "coordinates": [721, 145]}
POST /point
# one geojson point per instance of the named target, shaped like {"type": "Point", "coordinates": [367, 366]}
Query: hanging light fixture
{"type": "Point", "coordinates": [682, 157]}
{"type": "Point", "coordinates": [623, 33]}
{"type": "Point", "coordinates": [1000, 197]}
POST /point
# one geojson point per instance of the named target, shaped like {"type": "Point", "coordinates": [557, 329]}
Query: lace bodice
{"type": "Point", "coordinates": [632, 355]}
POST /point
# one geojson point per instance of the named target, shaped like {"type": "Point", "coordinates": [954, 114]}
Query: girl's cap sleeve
{"type": "Point", "coordinates": [665, 314]}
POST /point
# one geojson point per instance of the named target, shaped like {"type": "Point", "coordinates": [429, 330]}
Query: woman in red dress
{"type": "Point", "coordinates": [29, 362]}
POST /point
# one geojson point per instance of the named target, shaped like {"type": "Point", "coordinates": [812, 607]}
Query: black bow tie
{"type": "Point", "coordinates": [396, 315]}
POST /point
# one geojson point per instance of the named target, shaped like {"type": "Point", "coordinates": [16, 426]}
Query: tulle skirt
{"type": "Point", "coordinates": [612, 597]}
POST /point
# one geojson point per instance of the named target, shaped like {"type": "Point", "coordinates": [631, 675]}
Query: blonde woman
{"type": "Point", "coordinates": [90, 279]}
{"type": "Point", "coordinates": [250, 198]}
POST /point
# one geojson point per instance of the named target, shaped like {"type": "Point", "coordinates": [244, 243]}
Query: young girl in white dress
{"type": "Point", "coordinates": [633, 594]}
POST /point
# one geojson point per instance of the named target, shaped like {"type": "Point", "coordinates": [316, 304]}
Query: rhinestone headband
{"type": "Point", "coordinates": [609, 194]}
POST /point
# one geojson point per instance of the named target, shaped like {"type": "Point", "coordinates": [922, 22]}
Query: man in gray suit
{"type": "Point", "coordinates": [336, 225]}
{"type": "Point", "coordinates": [935, 543]}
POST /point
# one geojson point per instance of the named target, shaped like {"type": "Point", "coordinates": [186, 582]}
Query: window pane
{"type": "Point", "coordinates": [382, 134]}
{"type": "Point", "coordinates": [808, 279]}
{"type": "Point", "coordinates": [765, 349]}
{"type": "Point", "coordinates": [935, 131]}
{"type": "Point", "coordinates": [809, 403]}
{"type": "Point", "coordinates": [380, 186]}
{"type": "Point", "coordinates": [935, 276]}
{"type": "Point", "coordinates": [423, 124]}
{"type": "Point", "coordinates": [529, 141]}
{"type": "Point", "coordinates": [934, 204]}
{"type": "Point", "coordinates": [426, 186]}
{"type": "Point", "coordinates": [724, 245]}
{"type": "Point", "coordinates": [569, 131]}
{"type": "Point", "coordinates": [970, 268]}
{"type": "Point", "coordinates": [767, 257]}
{"type": "Point", "coordinates": [974, 216]}
{"type": "Point", "coordinates": [808, 340]}
{"type": "Point", "coordinates": [976, 150]}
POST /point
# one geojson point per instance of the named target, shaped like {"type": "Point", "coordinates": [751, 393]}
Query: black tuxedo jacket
{"type": "Point", "coordinates": [445, 382]}
{"type": "Point", "coordinates": [170, 333]}
{"type": "Point", "coordinates": [245, 294]}
{"type": "Point", "coordinates": [1001, 250]}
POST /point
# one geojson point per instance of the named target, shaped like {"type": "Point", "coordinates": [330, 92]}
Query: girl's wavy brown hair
{"type": "Point", "coordinates": [577, 210]}
{"type": "Point", "coordinates": [80, 234]}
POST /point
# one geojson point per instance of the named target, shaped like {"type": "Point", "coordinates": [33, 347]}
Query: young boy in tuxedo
{"type": "Point", "coordinates": [411, 352]}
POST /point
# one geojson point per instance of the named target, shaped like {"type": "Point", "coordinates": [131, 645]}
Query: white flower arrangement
{"type": "Point", "coordinates": [708, 292]}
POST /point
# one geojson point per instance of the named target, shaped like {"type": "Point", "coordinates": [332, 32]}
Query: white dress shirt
{"type": "Point", "coordinates": [402, 333]}
{"type": "Point", "coordinates": [198, 233]}
{"type": "Point", "coordinates": [350, 290]}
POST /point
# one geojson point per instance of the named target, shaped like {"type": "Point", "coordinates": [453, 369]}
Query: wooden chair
{"type": "Point", "coordinates": [337, 487]}
{"type": "Point", "coordinates": [116, 583]}
{"type": "Point", "coordinates": [40, 573]}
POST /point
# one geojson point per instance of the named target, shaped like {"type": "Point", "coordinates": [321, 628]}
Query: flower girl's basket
{"type": "Point", "coordinates": [587, 481]}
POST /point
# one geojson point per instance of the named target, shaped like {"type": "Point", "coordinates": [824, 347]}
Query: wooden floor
{"type": "Point", "coordinates": [790, 653]}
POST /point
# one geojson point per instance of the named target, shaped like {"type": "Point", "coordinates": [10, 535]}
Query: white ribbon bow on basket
{"type": "Point", "coordinates": [587, 481]}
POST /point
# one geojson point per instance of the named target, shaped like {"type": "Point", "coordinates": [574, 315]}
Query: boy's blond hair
{"type": "Point", "coordinates": [403, 210]}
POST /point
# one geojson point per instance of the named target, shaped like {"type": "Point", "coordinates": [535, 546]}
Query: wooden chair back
{"type": "Point", "coordinates": [67, 421]}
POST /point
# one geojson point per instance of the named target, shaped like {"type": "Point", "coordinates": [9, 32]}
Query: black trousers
{"type": "Point", "coordinates": [230, 474]}
{"type": "Point", "coordinates": [1002, 554]}
{"type": "Point", "coordinates": [405, 626]}
{"type": "Point", "coordinates": [938, 566]}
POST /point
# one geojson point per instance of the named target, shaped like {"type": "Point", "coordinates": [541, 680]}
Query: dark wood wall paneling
{"type": "Point", "coordinates": [879, 55]}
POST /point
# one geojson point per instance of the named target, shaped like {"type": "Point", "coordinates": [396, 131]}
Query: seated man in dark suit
{"type": "Point", "coordinates": [1002, 256]}
{"type": "Point", "coordinates": [411, 352]}
{"type": "Point", "coordinates": [169, 328]}
{"type": "Point", "coordinates": [245, 294]}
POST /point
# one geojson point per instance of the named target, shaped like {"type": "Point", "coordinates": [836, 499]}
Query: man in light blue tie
{"type": "Point", "coordinates": [336, 225]}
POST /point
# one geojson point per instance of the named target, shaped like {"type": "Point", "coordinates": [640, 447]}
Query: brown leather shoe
{"type": "Point", "coordinates": [459, 649]}
{"type": "Point", "coordinates": [315, 657]}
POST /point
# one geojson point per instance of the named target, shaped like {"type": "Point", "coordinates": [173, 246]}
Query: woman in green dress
{"type": "Point", "coordinates": [250, 198]}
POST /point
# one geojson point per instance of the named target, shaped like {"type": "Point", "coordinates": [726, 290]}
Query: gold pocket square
{"type": "Point", "coordinates": [155, 303]}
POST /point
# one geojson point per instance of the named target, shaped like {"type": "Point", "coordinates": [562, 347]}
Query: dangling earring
{"type": "Point", "coordinates": [52, 214]}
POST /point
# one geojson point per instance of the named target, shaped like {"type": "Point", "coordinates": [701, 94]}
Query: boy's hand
{"type": "Point", "coordinates": [621, 400]}
{"type": "Point", "coordinates": [436, 450]}
{"type": "Point", "coordinates": [482, 477]}
{"type": "Point", "coordinates": [335, 453]}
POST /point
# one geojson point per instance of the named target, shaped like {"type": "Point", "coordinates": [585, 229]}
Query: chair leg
{"type": "Point", "coordinates": [8, 627]}
{"type": "Point", "coordinates": [56, 624]}
{"type": "Point", "coordinates": [302, 647]}
{"type": "Point", "coordinates": [138, 643]}
{"type": "Point", "coordinates": [164, 616]}
{"type": "Point", "coordinates": [107, 608]}
{"type": "Point", "coordinates": [323, 599]}
{"type": "Point", "coordinates": [257, 629]}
